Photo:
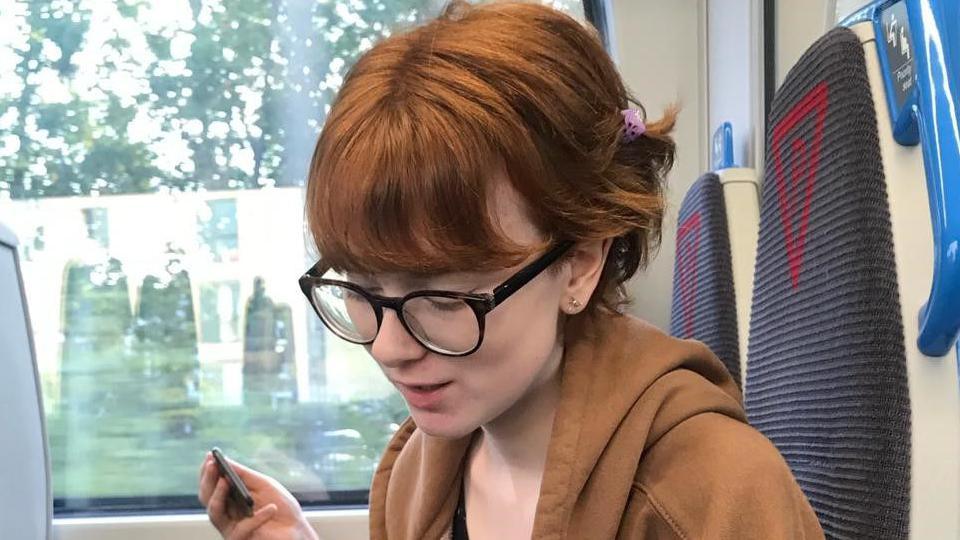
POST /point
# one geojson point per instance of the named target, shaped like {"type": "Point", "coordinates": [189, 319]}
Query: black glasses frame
{"type": "Point", "coordinates": [480, 303]}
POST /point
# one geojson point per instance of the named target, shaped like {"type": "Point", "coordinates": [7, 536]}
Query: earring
{"type": "Point", "coordinates": [574, 305]}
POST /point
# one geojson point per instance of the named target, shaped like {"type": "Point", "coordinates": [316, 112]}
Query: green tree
{"type": "Point", "coordinates": [269, 373]}
{"type": "Point", "coordinates": [243, 85]}
{"type": "Point", "coordinates": [96, 317]}
{"type": "Point", "coordinates": [66, 144]}
{"type": "Point", "coordinates": [95, 382]}
{"type": "Point", "coordinates": [165, 349]}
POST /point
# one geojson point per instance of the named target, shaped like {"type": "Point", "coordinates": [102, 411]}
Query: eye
{"type": "Point", "coordinates": [445, 304]}
{"type": "Point", "coordinates": [350, 294]}
{"type": "Point", "coordinates": [366, 283]}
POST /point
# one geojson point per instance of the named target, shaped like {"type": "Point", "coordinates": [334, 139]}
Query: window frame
{"type": "Point", "coordinates": [599, 13]}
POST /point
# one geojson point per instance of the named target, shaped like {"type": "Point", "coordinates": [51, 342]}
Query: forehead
{"type": "Point", "coordinates": [509, 212]}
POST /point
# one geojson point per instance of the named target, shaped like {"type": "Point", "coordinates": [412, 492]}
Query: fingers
{"type": "Point", "coordinates": [246, 528]}
{"type": "Point", "coordinates": [208, 481]}
{"type": "Point", "coordinates": [203, 466]}
{"type": "Point", "coordinates": [217, 505]}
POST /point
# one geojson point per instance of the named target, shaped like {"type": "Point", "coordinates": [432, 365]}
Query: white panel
{"type": "Point", "coordinates": [330, 525]}
{"type": "Point", "coordinates": [24, 486]}
{"type": "Point", "coordinates": [845, 8]}
{"type": "Point", "coordinates": [934, 389]}
{"type": "Point", "coordinates": [734, 65]}
{"type": "Point", "coordinates": [799, 23]}
{"type": "Point", "coordinates": [662, 53]}
{"type": "Point", "coordinates": [741, 197]}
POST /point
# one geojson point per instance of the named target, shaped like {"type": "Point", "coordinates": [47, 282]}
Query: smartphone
{"type": "Point", "coordinates": [239, 493]}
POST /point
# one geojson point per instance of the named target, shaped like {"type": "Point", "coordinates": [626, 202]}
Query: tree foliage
{"type": "Point", "coordinates": [224, 94]}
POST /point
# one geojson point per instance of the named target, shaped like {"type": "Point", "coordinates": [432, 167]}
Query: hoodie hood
{"type": "Point", "coordinates": [624, 384]}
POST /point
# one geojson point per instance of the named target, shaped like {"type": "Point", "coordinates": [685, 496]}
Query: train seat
{"type": "Point", "coordinates": [716, 221]}
{"type": "Point", "coordinates": [869, 425]}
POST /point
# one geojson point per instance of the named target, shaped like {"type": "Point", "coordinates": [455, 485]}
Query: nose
{"type": "Point", "coordinates": [394, 346]}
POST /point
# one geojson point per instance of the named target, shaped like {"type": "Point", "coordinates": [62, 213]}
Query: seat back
{"type": "Point", "coordinates": [704, 304]}
{"type": "Point", "coordinates": [828, 378]}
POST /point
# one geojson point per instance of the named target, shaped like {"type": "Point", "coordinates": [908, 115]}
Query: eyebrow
{"type": "Point", "coordinates": [418, 282]}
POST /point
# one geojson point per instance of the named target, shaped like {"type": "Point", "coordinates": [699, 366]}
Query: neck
{"type": "Point", "coordinates": [517, 440]}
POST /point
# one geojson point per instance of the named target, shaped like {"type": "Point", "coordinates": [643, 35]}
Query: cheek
{"type": "Point", "coordinates": [514, 356]}
{"type": "Point", "coordinates": [522, 335]}
{"type": "Point", "coordinates": [528, 320]}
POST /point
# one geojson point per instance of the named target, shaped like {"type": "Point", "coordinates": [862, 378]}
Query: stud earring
{"type": "Point", "coordinates": [574, 305]}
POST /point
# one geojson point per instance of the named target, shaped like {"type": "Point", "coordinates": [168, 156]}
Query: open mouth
{"type": "Point", "coordinates": [425, 397]}
{"type": "Point", "coordinates": [428, 388]}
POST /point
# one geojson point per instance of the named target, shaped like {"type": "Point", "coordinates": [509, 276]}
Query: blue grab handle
{"type": "Point", "coordinates": [934, 115]}
{"type": "Point", "coordinates": [722, 154]}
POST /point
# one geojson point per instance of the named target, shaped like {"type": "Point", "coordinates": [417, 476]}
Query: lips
{"type": "Point", "coordinates": [424, 396]}
{"type": "Point", "coordinates": [423, 386]}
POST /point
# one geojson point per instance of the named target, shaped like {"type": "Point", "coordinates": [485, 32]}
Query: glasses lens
{"type": "Point", "coordinates": [446, 325]}
{"type": "Point", "coordinates": [348, 313]}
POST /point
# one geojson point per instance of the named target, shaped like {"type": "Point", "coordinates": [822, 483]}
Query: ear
{"type": "Point", "coordinates": [586, 261]}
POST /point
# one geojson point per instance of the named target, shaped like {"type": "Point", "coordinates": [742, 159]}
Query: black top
{"type": "Point", "coordinates": [460, 518]}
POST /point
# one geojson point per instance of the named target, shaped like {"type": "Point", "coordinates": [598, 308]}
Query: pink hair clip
{"type": "Point", "coordinates": [633, 125]}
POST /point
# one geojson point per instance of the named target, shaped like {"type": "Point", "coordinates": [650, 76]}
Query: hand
{"type": "Point", "coordinates": [277, 514]}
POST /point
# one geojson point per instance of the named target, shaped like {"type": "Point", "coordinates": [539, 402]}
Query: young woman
{"type": "Point", "coordinates": [480, 193]}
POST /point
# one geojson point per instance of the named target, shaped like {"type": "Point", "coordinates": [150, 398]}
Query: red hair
{"type": "Point", "coordinates": [400, 177]}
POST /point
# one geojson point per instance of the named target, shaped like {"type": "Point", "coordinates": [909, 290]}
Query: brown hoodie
{"type": "Point", "coordinates": [649, 440]}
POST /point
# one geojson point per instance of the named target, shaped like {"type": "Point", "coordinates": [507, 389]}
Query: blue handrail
{"type": "Point", "coordinates": [934, 115]}
{"type": "Point", "coordinates": [722, 154]}
{"type": "Point", "coordinates": [922, 96]}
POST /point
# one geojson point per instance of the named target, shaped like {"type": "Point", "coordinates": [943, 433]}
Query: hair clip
{"type": "Point", "coordinates": [633, 125]}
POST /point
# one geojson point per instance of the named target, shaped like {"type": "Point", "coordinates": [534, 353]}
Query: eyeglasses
{"type": "Point", "coordinates": [445, 322]}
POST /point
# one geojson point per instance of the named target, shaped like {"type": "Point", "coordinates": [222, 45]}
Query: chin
{"type": "Point", "coordinates": [441, 425]}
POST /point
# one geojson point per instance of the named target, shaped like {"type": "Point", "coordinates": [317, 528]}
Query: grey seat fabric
{"type": "Point", "coordinates": [704, 305]}
{"type": "Point", "coordinates": [827, 379]}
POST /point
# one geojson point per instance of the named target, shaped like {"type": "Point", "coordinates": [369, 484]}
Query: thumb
{"type": "Point", "coordinates": [245, 529]}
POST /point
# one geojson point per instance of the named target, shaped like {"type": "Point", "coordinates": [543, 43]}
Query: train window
{"type": "Point", "coordinates": [152, 159]}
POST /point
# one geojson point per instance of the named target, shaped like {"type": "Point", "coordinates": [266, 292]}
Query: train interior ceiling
{"type": "Point", "coordinates": [153, 158]}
